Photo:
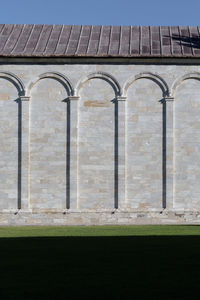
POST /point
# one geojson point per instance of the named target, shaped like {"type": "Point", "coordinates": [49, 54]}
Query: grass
{"type": "Point", "coordinates": [69, 231]}
{"type": "Point", "coordinates": [107, 262]}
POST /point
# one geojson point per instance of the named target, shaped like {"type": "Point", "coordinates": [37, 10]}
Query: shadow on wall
{"type": "Point", "coordinates": [164, 154]}
{"type": "Point", "coordinates": [19, 155]}
{"type": "Point", "coordinates": [116, 154]}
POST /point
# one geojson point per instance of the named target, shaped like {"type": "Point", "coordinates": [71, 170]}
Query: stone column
{"type": "Point", "coordinates": [169, 155]}
{"type": "Point", "coordinates": [121, 149]}
{"type": "Point", "coordinates": [73, 152]}
{"type": "Point", "coordinates": [23, 153]}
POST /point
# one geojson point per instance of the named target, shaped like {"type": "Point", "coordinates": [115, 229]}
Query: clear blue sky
{"type": "Point", "coordinates": [105, 12]}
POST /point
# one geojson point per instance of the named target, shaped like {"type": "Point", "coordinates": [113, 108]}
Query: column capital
{"type": "Point", "coordinates": [24, 98]}
{"type": "Point", "coordinates": [73, 98]}
{"type": "Point", "coordinates": [121, 98]}
{"type": "Point", "coordinates": [169, 98]}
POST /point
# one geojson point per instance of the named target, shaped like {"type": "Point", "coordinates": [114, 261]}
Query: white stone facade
{"type": "Point", "coordinates": [99, 141]}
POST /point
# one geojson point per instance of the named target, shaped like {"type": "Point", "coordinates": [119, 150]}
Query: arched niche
{"type": "Point", "coordinates": [153, 77]}
{"type": "Point", "coordinates": [180, 80]}
{"type": "Point", "coordinates": [187, 143]}
{"type": "Point", "coordinates": [144, 163]}
{"type": "Point", "coordinates": [11, 88]}
{"type": "Point", "coordinates": [54, 75]}
{"type": "Point", "coordinates": [101, 75]}
{"type": "Point", "coordinates": [49, 144]}
{"type": "Point", "coordinates": [97, 144]}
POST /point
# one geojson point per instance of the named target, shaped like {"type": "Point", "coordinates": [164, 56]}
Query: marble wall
{"type": "Point", "coordinates": [99, 143]}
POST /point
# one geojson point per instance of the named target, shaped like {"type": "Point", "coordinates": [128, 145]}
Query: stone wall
{"type": "Point", "coordinates": [99, 143]}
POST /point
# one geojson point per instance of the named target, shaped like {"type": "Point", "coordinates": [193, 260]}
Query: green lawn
{"type": "Point", "coordinates": [108, 262]}
{"type": "Point", "coordinates": [64, 231]}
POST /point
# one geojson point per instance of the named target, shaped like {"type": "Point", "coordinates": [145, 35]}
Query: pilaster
{"type": "Point", "coordinates": [120, 157]}
{"type": "Point", "coordinates": [169, 156]}
{"type": "Point", "coordinates": [73, 152]}
{"type": "Point", "coordinates": [23, 153]}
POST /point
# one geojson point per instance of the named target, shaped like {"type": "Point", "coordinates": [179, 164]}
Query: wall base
{"type": "Point", "coordinates": [23, 218]}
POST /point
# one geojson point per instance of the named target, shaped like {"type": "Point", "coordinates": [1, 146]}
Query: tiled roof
{"type": "Point", "coordinates": [99, 41]}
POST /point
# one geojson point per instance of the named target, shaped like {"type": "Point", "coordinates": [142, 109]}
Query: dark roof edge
{"type": "Point", "coordinates": [105, 56]}
{"type": "Point", "coordinates": [101, 60]}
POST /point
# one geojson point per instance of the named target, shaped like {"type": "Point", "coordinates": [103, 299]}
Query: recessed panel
{"type": "Point", "coordinates": [97, 117]}
{"type": "Point", "coordinates": [9, 110]}
{"type": "Point", "coordinates": [144, 145]}
{"type": "Point", "coordinates": [48, 145]}
{"type": "Point", "coordinates": [187, 145]}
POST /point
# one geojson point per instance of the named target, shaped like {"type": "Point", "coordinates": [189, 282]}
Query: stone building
{"type": "Point", "coordinates": [99, 125]}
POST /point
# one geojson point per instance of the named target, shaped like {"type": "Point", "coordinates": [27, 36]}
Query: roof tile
{"type": "Point", "coordinates": [186, 41]}
{"type": "Point", "coordinates": [94, 40]}
{"type": "Point", "coordinates": [124, 41]}
{"type": "Point", "coordinates": [104, 40]}
{"type": "Point", "coordinates": [73, 40]}
{"type": "Point", "coordinates": [21, 43]}
{"type": "Point", "coordinates": [155, 40]}
{"type": "Point", "coordinates": [43, 39]}
{"type": "Point", "coordinates": [135, 40]}
{"type": "Point", "coordinates": [11, 42]}
{"type": "Point", "coordinates": [84, 40]}
{"type": "Point", "coordinates": [145, 40]}
{"type": "Point", "coordinates": [195, 40]}
{"type": "Point", "coordinates": [33, 40]}
{"type": "Point", "coordinates": [63, 40]}
{"type": "Point", "coordinates": [53, 39]}
{"type": "Point", "coordinates": [176, 41]}
{"type": "Point", "coordinates": [114, 40]}
{"type": "Point", "coordinates": [165, 40]}
{"type": "Point", "coordinates": [4, 36]}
